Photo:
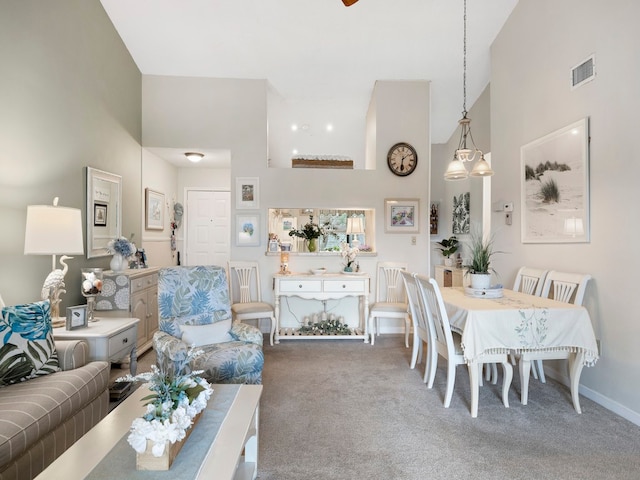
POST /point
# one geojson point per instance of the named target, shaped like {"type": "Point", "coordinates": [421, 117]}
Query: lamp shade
{"type": "Point", "coordinates": [456, 171]}
{"type": "Point", "coordinates": [355, 226]}
{"type": "Point", "coordinates": [481, 169]}
{"type": "Point", "coordinates": [53, 230]}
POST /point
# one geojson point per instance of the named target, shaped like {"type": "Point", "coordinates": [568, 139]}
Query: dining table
{"type": "Point", "coordinates": [497, 321]}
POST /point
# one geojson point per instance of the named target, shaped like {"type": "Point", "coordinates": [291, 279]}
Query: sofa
{"type": "Point", "coordinates": [195, 310]}
{"type": "Point", "coordinates": [41, 417]}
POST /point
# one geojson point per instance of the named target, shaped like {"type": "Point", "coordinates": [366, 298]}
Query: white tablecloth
{"type": "Point", "coordinates": [519, 322]}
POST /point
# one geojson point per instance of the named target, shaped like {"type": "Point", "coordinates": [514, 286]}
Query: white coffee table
{"type": "Point", "coordinates": [109, 339]}
{"type": "Point", "coordinates": [233, 453]}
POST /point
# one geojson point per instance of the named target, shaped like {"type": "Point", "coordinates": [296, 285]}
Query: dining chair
{"type": "Point", "coordinates": [246, 296]}
{"type": "Point", "coordinates": [564, 287]}
{"type": "Point", "coordinates": [448, 344]}
{"type": "Point", "coordinates": [530, 281]}
{"type": "Point", "coordinates": [391, 298]}
{"type": "Point", "coordinates": [421, 334]}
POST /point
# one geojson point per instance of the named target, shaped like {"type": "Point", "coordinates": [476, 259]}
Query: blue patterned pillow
{"type": "Point", "coordinates": [27, 347]}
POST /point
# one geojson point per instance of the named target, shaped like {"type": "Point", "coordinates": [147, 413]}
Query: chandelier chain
{"type": "Point", "coordinates": [464, 62]}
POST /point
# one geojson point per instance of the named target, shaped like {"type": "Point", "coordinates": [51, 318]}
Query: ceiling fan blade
{"type": "Point", "coordinates": [348, 3]}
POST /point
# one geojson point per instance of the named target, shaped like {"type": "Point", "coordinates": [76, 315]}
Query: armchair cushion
{"type": "Point", "coordinates": [227, 362]}
{"type": "Point", "coordinates": [199, 335]}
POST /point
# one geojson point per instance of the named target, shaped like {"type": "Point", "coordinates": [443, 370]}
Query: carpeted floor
{"type": "Point", "coordinates": [347, 410]}
{"type": "Point", "coordinates": [344, 410]}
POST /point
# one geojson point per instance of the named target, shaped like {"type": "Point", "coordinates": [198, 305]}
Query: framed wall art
{"type": "Point", "coordinates": [247, 193]}
{"type": "Point", "coordinates": [99, 215]}
{"type": "Point", "coordinates": [555, 186]}
{"type": "Point", "coordinates": [402, 215]}
{"type": "Point", "coordinates": [461, 218]}
{"type": "Point", "coordinates": [248, 230]}
{"type": "Point", "coordinates": [154, 210]}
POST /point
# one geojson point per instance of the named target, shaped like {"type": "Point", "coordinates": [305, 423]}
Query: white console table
{"type": "Point", "coordinates": [328, 286]}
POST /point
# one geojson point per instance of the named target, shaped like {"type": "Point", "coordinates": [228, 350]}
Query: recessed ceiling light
{"type": "Point", "coordinates": [295, 151]}
{"type": "Point", "coordinates": [329, 127]}
{"type": "Point", "coordinates": [194, 157]}
{"type": "Point", "coordinates": [294, 128]}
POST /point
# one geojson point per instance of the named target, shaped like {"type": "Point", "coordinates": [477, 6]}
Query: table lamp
{"type": "Point", "coordinates": [53, 230]}
{"type": "Point", "coordinates": [355, 227]}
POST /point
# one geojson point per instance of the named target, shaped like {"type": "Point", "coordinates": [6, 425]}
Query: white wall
{"type": "Point", "coordinates": [530, 97]}
{"type": "Point", "coordinates": [160, 176]}
{"type": "Point", "coordinates": [70, 98]}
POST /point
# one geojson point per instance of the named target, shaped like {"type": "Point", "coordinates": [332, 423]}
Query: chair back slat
{"type": "Point", "coordinates": [389, 284]}
{"type": "Point", "coordinates": [529, 281]}
{"type": "Point", "coordinates": [436, 312]}
{"type": "Point", "coordinates": [247, 276]}
{"type": "Point", "coordinates": [567, 287]}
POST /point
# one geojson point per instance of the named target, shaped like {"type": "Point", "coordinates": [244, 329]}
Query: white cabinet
{"type": "Point", "coordinates": [449, 276]}
{"type": "Point", "coordinates": [322, 287]}
{"type": "Point", "coordinates": [136, 292]}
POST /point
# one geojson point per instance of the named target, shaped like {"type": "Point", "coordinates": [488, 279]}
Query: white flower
{"type": "Point", "coordinates": [349, 254]}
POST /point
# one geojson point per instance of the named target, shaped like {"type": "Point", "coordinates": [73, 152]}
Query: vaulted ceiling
{"type": "Point", "coordinates": [319, 49]}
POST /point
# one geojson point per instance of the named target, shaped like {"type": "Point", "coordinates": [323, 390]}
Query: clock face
{"type": "Point", "coordinates": [402, 159]}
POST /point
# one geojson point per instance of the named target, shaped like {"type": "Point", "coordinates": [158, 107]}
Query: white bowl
{"type": "Point", "coordinates": [318, 271]}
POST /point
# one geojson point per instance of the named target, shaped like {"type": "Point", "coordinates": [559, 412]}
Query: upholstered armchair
{"type": "Point", "coordinates": [194, 309]}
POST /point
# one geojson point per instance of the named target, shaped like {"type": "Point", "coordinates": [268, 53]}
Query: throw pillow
{"type": "Point", "coordinates": [27, 347]}
{"type": "Point", "coordinates": [199, 335]}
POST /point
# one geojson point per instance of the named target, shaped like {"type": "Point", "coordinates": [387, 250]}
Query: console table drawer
{"type": "Point", "coordinates": [140, 283]}
{"type": "Point", "coordinates": [354, 286]}
{"type": "Point", "coordinates": [122, 341]}
{"type": "Point", "coordinates": [300, 286]}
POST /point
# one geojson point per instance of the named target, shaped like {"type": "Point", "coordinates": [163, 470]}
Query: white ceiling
{"type": "Point", "coordinates": [319, 50]}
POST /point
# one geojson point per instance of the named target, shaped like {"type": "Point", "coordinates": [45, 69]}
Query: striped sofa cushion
{"type": "Point", "coordinates": [31, 409]}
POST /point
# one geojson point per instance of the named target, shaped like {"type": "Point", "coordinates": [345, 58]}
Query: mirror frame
{"type": "Point", "coordinates": [93, 175]}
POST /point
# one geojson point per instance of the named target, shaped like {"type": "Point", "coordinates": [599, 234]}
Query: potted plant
{"type": "Point", "coordinates": [310, 233]}
{"type": "Point", "coordinates": [479, 268]}
{"type": "Point", "coordinates": [448, 247]}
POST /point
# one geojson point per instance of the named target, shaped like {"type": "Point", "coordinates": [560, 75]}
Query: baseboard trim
{"type": "Point", "coordinates": [606, 402]}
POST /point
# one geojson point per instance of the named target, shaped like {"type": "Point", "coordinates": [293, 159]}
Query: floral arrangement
{"type": "Point", "coordinates": [309, 231]}
{"type": "Point", "coordinates": [122, 246]}
{"type": "Point", "coordinates": [178, 398]}
{"type": "Point", "coordinates": [349, 254]}
{"type": "Point", "coordinates": [326, 327]}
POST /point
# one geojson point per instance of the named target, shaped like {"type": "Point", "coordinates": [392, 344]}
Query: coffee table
{"type": "Point", "coordinates": [233, 454]}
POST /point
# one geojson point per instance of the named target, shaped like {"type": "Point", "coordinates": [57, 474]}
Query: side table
{"type": "Point", "coordinates": [109, 339]}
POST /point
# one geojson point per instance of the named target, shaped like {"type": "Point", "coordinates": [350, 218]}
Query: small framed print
{"type": "Point", "coordinates": [76, 317]}
{"type": "Point", "coordinates": [248, 230]}
{"type": "Point", "coordinates": [99, 215]}
{"type": "Point", "coordinates": [402, 215]}
{"type": "Point", "coordinates": [247, 193]}
{"type": "Point", "coordinates": [154, 210]}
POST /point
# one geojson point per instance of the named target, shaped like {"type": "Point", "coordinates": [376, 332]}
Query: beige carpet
{"type": "Point", "coordinates": [334, 410]}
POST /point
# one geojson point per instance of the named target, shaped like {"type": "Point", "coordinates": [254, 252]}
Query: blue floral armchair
{"type": "Point", "coordinates": [200, 296]}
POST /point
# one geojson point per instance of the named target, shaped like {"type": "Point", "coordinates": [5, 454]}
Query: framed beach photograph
{"type": "Point", "coordinates": [99, 215]}
{"type": "Point", "coordinates": [247, 193]}
{"type": "Point", "coordinates": [154, 210]}
{"type": "Point", "coordinates": [248, 230]}
{"type": "Point", "coordinates": [555, 186]}
{"type": "Point", "coordinates": [76, 317]}
{"type": "Point", "coordinates": [402, 215]}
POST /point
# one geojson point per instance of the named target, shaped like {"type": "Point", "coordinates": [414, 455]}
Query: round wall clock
{"type": "Point", "coordinates": [402, 159]}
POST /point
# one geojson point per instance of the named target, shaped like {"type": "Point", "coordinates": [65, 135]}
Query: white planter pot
{"type": "Point", "coordinates": [480, 280]}
{"type": "Point", "coordinates": [448, 261]}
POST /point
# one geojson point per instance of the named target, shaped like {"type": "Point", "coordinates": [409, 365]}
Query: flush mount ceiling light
{"type": "Point", "coordinates": [194, 157]}
{"type": "Point", "coordinates": [456, 169]}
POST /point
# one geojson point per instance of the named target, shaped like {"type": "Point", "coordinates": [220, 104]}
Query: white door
{"type": "Point", "coordinates": [208, 228]}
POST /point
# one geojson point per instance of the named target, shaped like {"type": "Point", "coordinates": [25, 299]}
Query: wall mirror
{"type": "Point", "coordinates": [338, 226]}
{"type": "Point", "coordinates": [104, 210]}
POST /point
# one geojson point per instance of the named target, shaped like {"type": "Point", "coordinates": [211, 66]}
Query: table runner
{"type": "Point", "coordinates": [519, 322]}
{"type": "Point", "coordinates": [120, 462]}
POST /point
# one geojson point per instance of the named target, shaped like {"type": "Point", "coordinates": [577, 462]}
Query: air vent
{"type": "Point", "coordinates": [584, 72]}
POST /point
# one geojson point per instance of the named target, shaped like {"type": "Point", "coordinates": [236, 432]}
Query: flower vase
{"type": "Point", "coordinates": [348, 269]}
{"type": "Point", "coordinates": [312, 244]}
{"type": "Point", "coordinates": [117, 263]}
{"type": "Point", "coordinates": [147, 461]}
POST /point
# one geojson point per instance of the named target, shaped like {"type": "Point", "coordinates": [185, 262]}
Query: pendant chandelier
{"type": "Point", "coordinates": [456, 169]}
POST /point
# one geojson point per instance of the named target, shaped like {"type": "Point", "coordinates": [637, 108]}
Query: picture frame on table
{"type": "Point", "coordinates": [76, 317]}
{"type": "Point", "coordinates": [154, 210]}
{"type": "Point", "coordinates": [402, 215]}
{"type": "Point", "coordinates": [248, 230]}
{"type": "Point", "coordinates": [99, 214]}
{"type": "Point", "coordinates": [247, 193]}
{"type": "Point", "coordinates": [555, 186]}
